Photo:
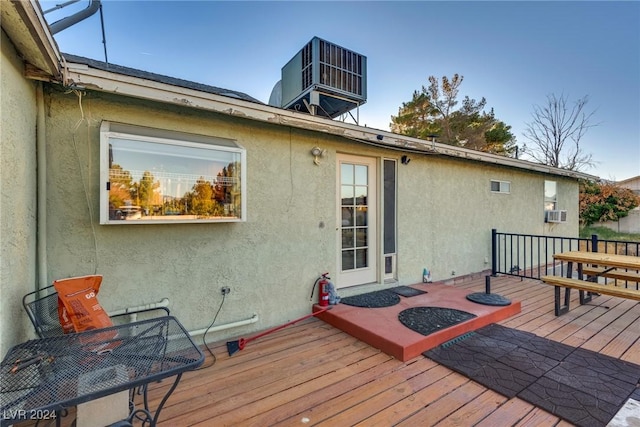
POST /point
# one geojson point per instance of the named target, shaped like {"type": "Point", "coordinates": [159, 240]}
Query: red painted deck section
{"type": "Point", "coordinates": [380, 327]}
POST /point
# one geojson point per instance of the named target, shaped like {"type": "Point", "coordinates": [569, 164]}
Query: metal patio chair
{"type": "Point", "coordinates": [42, 308]}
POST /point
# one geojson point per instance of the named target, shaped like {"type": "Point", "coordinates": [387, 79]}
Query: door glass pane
{"type": "Point", "coordinates": [347, 260]}
{"type": "Point", "coordinates": [361, 216]}
{"type": "Point", "coordinates": [347, 217]}
{"type": "Point", "coordinates": [361, 258]}
{"type": "Point", "coordinates": [346, 174]}
{"type": "Point", "coordinates": [361, 195]}
{"type": "Point", "coordinates": [346, 193]}
{"type": "Point", "coordinates": [361, 177]}
{"type": "Point", "coordinates": [361, 237]}
{"type": "Point", "coordinates": [347, 238]}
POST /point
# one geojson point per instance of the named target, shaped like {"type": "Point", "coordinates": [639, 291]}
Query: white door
{"type": "Point", "coordinates": [357, 221]}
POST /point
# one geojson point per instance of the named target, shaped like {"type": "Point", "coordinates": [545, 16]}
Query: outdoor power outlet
{"type": "Point", "coordinates": [225, 290]}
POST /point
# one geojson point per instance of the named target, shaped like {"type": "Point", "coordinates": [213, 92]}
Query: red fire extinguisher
{"type": "Point", "coordinates": [323, 289]}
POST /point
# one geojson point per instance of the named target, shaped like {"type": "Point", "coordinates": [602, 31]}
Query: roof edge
{"type": "Point", "coordinates": [24, 23]}
{"type": "Point", "coordinates": [85, 76]}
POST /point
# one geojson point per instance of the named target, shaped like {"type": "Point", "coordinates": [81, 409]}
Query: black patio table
{"type": "Point", "coordinates": [43, 378]}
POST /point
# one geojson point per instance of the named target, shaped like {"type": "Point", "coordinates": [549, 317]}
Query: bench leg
{"type": "Point", "coordinates": [585, 297]}
{"type": "Point", "coordinates": [559, 310]}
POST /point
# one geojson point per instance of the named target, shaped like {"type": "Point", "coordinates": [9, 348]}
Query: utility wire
{"type": "Point", "coordinates": [204, 341]}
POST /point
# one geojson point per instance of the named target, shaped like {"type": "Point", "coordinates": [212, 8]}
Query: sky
{"type": "Point", "coordinates": [513, 53]}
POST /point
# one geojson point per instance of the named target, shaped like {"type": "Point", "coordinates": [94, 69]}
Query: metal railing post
{"type": "Point", "coordinates": [594, 243]}
{"type": "Point", "coordinates": [494, 252]}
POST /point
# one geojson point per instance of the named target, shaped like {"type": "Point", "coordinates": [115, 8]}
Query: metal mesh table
{"type": "Point", "coordinates": [42, 378]}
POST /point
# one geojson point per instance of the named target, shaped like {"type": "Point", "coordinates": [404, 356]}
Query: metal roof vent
{"type": "Point", "coordinates": [323, 79]}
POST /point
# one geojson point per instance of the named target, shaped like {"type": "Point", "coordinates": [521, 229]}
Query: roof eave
{"type": "Point", "coordinates": [25, 25]}
{"type": "Point", "coordinates": [84, 77]}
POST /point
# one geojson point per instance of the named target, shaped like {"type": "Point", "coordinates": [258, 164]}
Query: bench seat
{"type": "Point", "coordinates": [585, 286]}
{"type": "Point", "coordinates": [628, 276]}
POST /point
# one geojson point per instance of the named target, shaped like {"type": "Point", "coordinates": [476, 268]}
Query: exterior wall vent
{"type": "Point", "coordinates": [556, 216]}
{"type": "Point", "coordinates": [324, 79]}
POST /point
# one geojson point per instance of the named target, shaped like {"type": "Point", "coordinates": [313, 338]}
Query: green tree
{"type": "Point", "coordinates": [432, 112]}
{"type": "Point", "coordinates": [605, 202]}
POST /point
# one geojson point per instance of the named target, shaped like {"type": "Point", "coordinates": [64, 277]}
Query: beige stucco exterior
{"type": "Point", "coordinates": [445, 215]}
{"type": "Point", "coordinates": [17, 194]}
{"type": "Point", "coordinates": [445, 209]}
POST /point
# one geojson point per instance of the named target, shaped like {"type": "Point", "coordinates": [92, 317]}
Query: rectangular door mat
{"type": "Point", "coordinates": [580, 386]}
{"type": "Point", "coordinates": [407, 291]}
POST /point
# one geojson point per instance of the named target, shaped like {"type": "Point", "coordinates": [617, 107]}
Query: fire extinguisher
{"type": "Point", "coordinates": [323, 289]}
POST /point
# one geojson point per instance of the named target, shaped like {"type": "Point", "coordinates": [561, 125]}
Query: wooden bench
{"type": "Point", "coordinates": [585, 286]}
{"type": "Point", "coordinates": [627, 276]}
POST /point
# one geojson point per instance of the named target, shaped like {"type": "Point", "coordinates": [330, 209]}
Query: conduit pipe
{"type": "Point", "coordinates": [164, 302]}
{"type": "Point", "coordinates": [42, 280]}
{"type": "Point", "coordinates": [252, 319]}
{"type": "Point", "coordinates": [64, 23]}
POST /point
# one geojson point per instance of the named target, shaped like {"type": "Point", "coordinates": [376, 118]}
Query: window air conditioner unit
{"type": "Point", "coordinates": [556, 216]}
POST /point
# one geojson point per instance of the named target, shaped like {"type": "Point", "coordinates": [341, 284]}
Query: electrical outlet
{"type": "Point", "coordinates": [225, 290]}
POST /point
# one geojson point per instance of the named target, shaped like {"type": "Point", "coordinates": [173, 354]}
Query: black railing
{"type": "Point", "coordinates": [531, 256]}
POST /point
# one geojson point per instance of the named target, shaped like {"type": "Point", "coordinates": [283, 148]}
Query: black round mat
{"type": "Point", "coordinates": [488, 299]}
{"type": "Point", "coordinates": [377, 299]}
{"type": "Point", "coordinates": [427, 320]}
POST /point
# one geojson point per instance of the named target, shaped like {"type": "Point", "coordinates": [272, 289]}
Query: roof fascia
{"type": "Point", "coordinates": [25, 25]}
{"type": "Point", "coordinates": [82, 76]}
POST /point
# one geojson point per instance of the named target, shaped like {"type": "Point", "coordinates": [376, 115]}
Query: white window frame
{"type": "Point", "coordinates": [501, 184]}
{"type": "Point", "coordinates": [110, 131]}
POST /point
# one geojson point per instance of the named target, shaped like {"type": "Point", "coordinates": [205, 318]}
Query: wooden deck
{"type": "Point", "coordinates": [314, 374]}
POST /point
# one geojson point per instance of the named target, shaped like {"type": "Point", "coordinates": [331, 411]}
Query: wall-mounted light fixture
{"type": "Point", "coordinates": [317, 152]}
{"type": "Point", "coordinates": [405, 160]}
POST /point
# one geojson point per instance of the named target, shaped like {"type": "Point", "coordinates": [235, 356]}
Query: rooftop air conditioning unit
{"type": "Point", "coordinates": [556, 216]}
{"type": "Point", "coordinates": [324, 79]}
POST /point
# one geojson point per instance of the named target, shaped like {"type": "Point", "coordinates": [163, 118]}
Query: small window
{"type": "Point", "coordinates": [150, 176]}
{"type": "Point", "coordinates": [550, 196]}
{"type": "Point", "coordinates": [501, 187]}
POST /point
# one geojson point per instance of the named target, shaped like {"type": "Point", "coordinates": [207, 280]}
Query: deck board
{"type": "Point", "coordinates": [314, 374]}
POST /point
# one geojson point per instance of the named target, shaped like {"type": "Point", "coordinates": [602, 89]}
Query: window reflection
{"type": "Point", "coordinates": [163, 181]}
{"type": "Point", "coordinates": [550, 195]}
{"type": "Point", "coordinates": [354, 200]}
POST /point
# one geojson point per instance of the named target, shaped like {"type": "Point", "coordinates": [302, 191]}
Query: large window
{"type": "Point", "coordinates": [155, 176]}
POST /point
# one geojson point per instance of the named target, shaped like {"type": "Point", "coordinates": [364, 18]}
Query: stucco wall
{"type": "Point", "coordinates": [17, 195]}
{"type": "Point", "coordinates": [447, 211]}
{"type": "Point", "coordinates": [445, 216]}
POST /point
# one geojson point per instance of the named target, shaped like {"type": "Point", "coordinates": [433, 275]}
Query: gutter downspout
{"type": "Point", "coordinates": [252, 319]}
{"type": "Point", "coordinates": [42, 279]}
{"type": "Point", "coordinates": [64, 23]}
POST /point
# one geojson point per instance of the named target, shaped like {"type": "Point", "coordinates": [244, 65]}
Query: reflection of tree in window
{"type": "Point", "coordinates": [201, 200]}
{"type": "Point", "coordinates": [120, 185]}
{"type": "Point", "coordinates": [227, 189]}
{"type": "Point", "coordinates": [146, 192]}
